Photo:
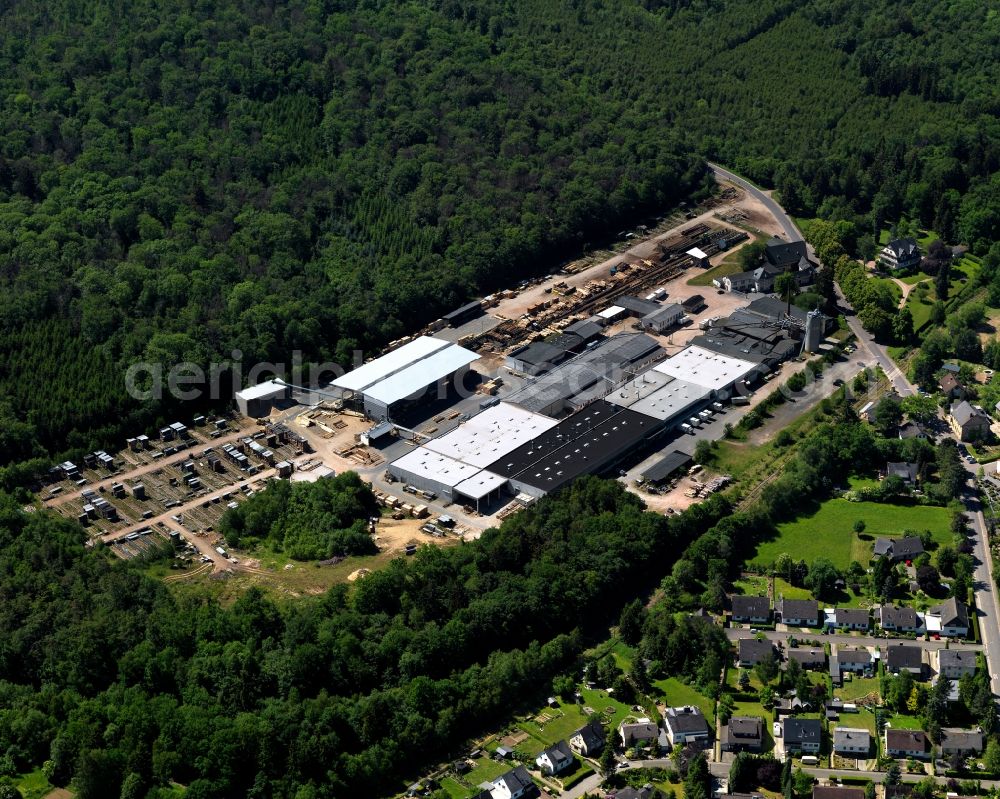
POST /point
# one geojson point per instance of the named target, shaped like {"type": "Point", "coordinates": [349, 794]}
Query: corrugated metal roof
{"type": "Point", "coordinates": [372, 372]}
{"type": "Point", "coordinates": [412, 379]}
{"type": "Point", "coordinates": [269, 388]}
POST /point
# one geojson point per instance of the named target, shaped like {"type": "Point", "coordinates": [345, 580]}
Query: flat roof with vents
{"type": "Point", "coordinates": [585, 443]}
{"type": "Point", "coordinates": [435, 466]}
{"type": "Point", "coordinates": [659, 395]}
{"type": "Point", "coordinates": [491, 434]}
{"type": "Point", "coordinates": [706, 368]}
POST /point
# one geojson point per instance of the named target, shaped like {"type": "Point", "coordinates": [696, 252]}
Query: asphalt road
{"type": "Point", "coordinates": [984, 586]}
{"type": "Point", "coordinates": [735, 634]}
{"type": "Point", "coordinates": [787, 224]}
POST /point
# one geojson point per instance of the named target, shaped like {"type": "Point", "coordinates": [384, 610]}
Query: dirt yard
{"type": "Point", "coordinates": [393, 536]}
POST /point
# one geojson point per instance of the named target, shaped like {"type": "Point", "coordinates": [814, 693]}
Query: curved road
{"type": "Point", "coordinates": [787, 223]}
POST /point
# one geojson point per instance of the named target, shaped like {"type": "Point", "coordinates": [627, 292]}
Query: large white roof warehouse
{"type": "Point", "coordinates": [706, 368]}
{"type": "Point", "coordinates": [370, 373]}
{"type": "Point", "coordinates": [491, 434]}
{"type": "Point", "coordinates": [405, 372]}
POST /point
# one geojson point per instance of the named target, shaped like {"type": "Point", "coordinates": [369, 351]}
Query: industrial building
{"type": "Point", "coordinates": [590, 441]}
{"type": "Point", "coordinates": [588, 376]}
{"type": "Point", "coordinates": [709, 369]}
{"type": "Point", "coordinates": [590, 412]}
{"type": "Point", "coordinates": [662, 318]}
{"type": "Point", "coordinates": [660, 396]}
{"type": "Point", "coordinates": [257, 401]}
{"type": "Point", "coordinates": [402, 376]}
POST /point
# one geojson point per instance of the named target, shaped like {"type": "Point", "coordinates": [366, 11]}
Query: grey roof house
{"type": "Point", "coordinates": [751, 608]}
{"type": "Point", "coordinates": [905, 548]}
{"type": "Point", "coordinates": [799, 612]}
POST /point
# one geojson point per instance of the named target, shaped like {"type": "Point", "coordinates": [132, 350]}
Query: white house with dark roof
{"type": "Point", "coordinates": [950, 619]}
{"type": "Point", "coordinates": [588, 741]}
{"type": "Point", "coordinates": [799, 612]}
{"type": "Point", "coordinates": [513, 784]}
{"type": "Point", "coordinates": [685, 725]}
{"type": "Point", "coordinates": [801, 735]}
{"type": "Point", "coordinates": [902, 619]}
{"type": "Point", "coordinates": [751, 609]}
{"type": "Point", "coordinates": [555, 760]}
{"type": "Point", "coordinates": [956, 663]}
{"type": "Point", "coordinates": [905, 657]}
{"type": "Point", "coordinates": [900, 255]}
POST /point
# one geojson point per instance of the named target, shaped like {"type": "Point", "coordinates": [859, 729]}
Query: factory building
{"type": "Point", "coordinates": [491, 434]}
{"type": "Point", "coordinates": [662, 318]}
{"type": "Point", "coordinates": [257, 401]}
{"type": "Point", "coordinates": [661, 396]}
{"type": "Point", "coordinates": [709, 369]}
{"type": "Point", "coordinates": [590, 441]}
{"type": "Point", "coordinates": [541, 356]}
{"type": "Point", "coordinates": [402, 376]}
{"type": "Point", "coordinates": [589, 376]}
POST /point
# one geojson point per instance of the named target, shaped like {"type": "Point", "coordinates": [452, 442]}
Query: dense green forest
{"type": "Point", "coordinates": [309, 521]}
{"type": "Point", "coordinates": [110, 681]}
{"type": "Point", "coordinates": [104, 674]}
{"type": "Point", "coordinates": [181, 178]}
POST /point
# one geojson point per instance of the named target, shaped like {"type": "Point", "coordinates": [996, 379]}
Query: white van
{"type": "Point", "coordinates": [687, 428]}
{"type": "Point", "coordinates": [810, 760]}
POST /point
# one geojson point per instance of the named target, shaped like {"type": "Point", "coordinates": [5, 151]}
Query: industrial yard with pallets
{"type": "Point", "coordinates": [194, 471]}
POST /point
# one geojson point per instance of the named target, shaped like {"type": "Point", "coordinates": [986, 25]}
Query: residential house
{"type": "Point", "coordinates": [907, 472]}
{"type": "Point", "coordinates": [645, 792]}
{"type": "Point", "coordinates": [903, 620]}
{"type": "Point", "coordinates": [751, 651]}
{"type": "Point", "coordinates": [555, 760]}
{"type": "Point", "coordinates": [856, 660]}
{"type": "Point", "coordinates": [588, 741]}
{"type": "Point", "coordinates": [956, 741]}
{"type": "Point", "coordinates": [950, 619]}
{"type": "Point", "coordinates": [852, 742]}
{"type": "Point", "coordinates": [969, 422]}
{"type": "Point", "coordinates": [905, 657]}
{"type": "Point", "coordinates": [685, 725]}
{"type": "Point", "coordinates": [637, 732]}
{"type": "Point", "coordinates": [911, 430]}
{"type": "Point", "coordinates": [898, 549]}
{"type": "Point", "coordinates": [801, 735]}
{"type": "Point", "coordinates": [851, 619]}
{"type": "Point", "coordinates": [955, 663]}
{"type": "Point", "coordinates": [743, 734]}
{"type": "Point", "coordinates": [951, 386]}
{"type": "Point", "coordinates": [751, 609]}
{"type": "Point", "coordinates": [513, 785]}
{"type": "Point", "coordinates": [906, 743]}
{"type": "Point", "coordinates": [799, 612]}
{"type": "Point", "coordinates": [808, 658]}
{"type": "Point", "coordinates": [900, 255]}
{"type": "Point", "coordinates": [836, 792]}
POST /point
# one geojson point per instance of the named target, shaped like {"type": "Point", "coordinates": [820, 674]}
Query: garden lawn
{"type": "Point", "coordinates": [829, 532]}
{"type": "Point", "coordinates": [33, 784]}
{"type": "Point", "coordinates": [486, 770]}
{"type": "Point", "coordinates": [678, 694]}
{"type": "Point", "coordinates": [453, 788]}
{"type": "Point", "coordinates": [903, 722]}
{"type": "Point", "coordinates": [857, 688]}
{"type": "Point", "coordinates": [600, 701]}
{"type": "Point", "coordinates": [568, 718]}
{"type": "Point", "coordinates": [862, 720]}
